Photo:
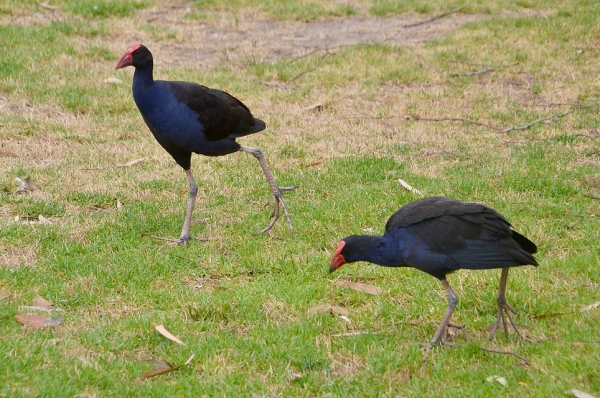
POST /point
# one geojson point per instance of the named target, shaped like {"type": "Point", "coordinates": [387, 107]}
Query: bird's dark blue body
{"type": "Point", "coordinates": [176, 127]}
{"type": "Point", "coordinates": [188, 118]}
{"type": "Point", "coordinates": [440, 235]}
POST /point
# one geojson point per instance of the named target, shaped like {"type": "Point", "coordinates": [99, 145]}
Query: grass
{"type": "Point", "coordinates": [240, 300]}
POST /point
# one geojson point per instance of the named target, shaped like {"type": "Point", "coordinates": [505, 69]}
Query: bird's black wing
{"type": "Point", "coordinates": [432, 207]}
{"type": "Point", "coordinates": [471, 235]}
{"type": "Point", "coordinates": [221, 114]}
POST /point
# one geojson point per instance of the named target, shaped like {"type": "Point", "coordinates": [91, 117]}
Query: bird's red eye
{"type": "Point", "coordinates": [136, 52]}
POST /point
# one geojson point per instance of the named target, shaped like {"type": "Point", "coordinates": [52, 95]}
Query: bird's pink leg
{"type": "Point", "coordinates": [504, 309]}
{"type": "Point", "coordinates": [257, 153]}
{"type": "Point", "coordinates": [440, 334]}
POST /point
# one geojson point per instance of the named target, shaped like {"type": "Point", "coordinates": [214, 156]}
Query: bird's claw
{"type": "Point", "coordinates": [504, 311]}
{"type": "Point", "coordinates": [443, 340]}
{"type": "Point", "coordinates": [275, 214]}
{"type": "Point", "coordinates": [179, 241]}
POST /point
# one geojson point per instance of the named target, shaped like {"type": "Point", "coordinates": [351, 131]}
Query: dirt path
{"type": "Point", "coordinates": [259, 38]}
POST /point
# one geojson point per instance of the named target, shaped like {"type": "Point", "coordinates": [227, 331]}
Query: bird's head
{"type": "Point", "coordinates": [136, 55]}
{"type": "Point", "coordinates": [338, 257]}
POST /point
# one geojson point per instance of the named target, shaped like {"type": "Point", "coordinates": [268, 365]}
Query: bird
{"type": "Point", "coordinates": [439, 235]}
{"type": "Point", "coordinates": [187, 118]}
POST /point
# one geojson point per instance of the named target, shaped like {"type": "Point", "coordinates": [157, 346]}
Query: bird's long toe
{"type": "Point", "coordinates": [505, 310]}
{"type": "Point", "coordinates": [279, 202]}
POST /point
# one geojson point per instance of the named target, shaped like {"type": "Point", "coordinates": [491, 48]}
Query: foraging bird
{"type": "Point", "coordinates": [439, 235]}
{"type": "Point", "coordinates": [188, 117]}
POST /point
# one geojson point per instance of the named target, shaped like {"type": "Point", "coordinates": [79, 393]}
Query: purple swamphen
{"type": "Point", "coordinates": [187, 117]}
{"type": "Point", "coordinates": [439, 235]}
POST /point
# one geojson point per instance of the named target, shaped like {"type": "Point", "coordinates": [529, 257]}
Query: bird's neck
{"type": "Point", "coordinates": [376, 249]}
{"type": "Point", "coordinates": [142, 78]}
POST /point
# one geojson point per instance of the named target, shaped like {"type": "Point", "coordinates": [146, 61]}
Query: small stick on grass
{"type": "Point", "coordinates": [454, 119]}
{"type": "Point", "coordinates": [500, 130]}
{"type": "Point", "coordinates": [312, 69]}
{"type": "Point", "coordinates": [482, 71]}
{"type": "Point", "coordinates": [522, 358]}
{"type": "Point", "coordinates": [442, 15]}
{"type": "Point", "coordinates": [524, 127]}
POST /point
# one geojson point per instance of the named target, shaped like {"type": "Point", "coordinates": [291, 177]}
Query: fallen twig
{"type": "Point", "coordinates": [524, 127]}
{"type": "Point", "coordinates": [302, 56]}
{"type": "Point", "coordinates": [501, 130]}
{"type": "Point", "coordinates": [358, 333]}
{"type": "Point", "coordinates": [482, 71]}
{"type": "Point", "coordinates": [454, 119]}
{"type": "Point", "coordinates": [442, 15]}
{"type": "Point", "coordinates": [312, 69]}
{"type": "Point", "coordinates": [590, 181]}
{"type": "Point", "coordinates": [171, 240]}
{"type": "Point", "coordinates": [409, 187]}
{"type": "Point", "coordinates": [522, 358]}
{"type": "Point", "coordinates": [477, 72]}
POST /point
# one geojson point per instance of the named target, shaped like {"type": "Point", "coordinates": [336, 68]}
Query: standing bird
{"type": "Point", "coordinates": [439, 235]}
{"type": "Point", "coordinates": [188, 117]}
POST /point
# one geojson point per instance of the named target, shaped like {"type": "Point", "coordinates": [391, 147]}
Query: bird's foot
{"type": "Point", "coordinates": [505, 310]}
{"type": "Point", "coordinates": [443, 339]}
{"type": "Point", "coordinates": [180, 241]}
{"type": "Point", "coordinates": [275, 214]}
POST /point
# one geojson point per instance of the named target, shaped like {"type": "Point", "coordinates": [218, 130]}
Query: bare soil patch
{"type": "Point", "coordinates": [260, 38]}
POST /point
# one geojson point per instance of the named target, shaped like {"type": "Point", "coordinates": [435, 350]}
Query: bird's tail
{"type": "Point", "coordinates": [525, 243]}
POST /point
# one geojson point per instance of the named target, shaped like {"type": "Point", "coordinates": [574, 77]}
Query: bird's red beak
{"type": "Point", "coordinates": [338, 260]}
{"type": "Point", "coordinates": [126, 59]}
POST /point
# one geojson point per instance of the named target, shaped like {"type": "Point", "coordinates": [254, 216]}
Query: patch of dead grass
{"type": "Point", "coordinates": [346, 364]}
{"type": "Point", "coordinates": [278, 312]}
{"type": "Point", "coordinates": [14, 257]}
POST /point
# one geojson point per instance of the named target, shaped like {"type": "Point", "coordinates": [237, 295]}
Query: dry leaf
{"type": "Point", "coordinates": [409, 187]}
{"type": "Point", "coordinates": [131, 162]}
{"type": "Point", "coordinates": [44, 220]}
{"type": "Point", "coordinates": [590, 180]}
{"type": "Point", "coordinates": [38, 321]}
{"type": "Point", "coordinates": [360, 287]}
{"type": "Point", "coordinates": [39, 301]}
{"type": "Point", "coordinates": [327, 308]}
{"type": "Point", "coordinates": [314, 164]}
{"type": "Point", "coordinates": [356, 278]}
{"type": "Point", "coordinates": [21, 184]}
{"type": "Point", "coordinates": [46, 5]}
{"type": "Point", "coordinates": [501, 380]}
{"type": "Point", "coordinates": [316, 106]}
{"type": "Point", "coordinates": [158, 364]}
{"type": "Point", "coordinates": [580, 394]}
{"type": "Point", "coordinates": [161, 369]}
{"type": "Point", "coordinates": [157, 372]}
{"type": "Point", "coordinates": [119, 204]}
{"type": "Point", "coordinates": [112, 80]}
{"type": "Point", "coordinates": [345, 318]}
{"type": "Point", "coordinates": [161, 329]}
{"type": "Point", "coordinates": [591, 306]}
{"type": "Point", "coordinates": [29, 184]}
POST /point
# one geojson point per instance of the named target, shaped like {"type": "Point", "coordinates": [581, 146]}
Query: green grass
{"type": "Point", "coordinates": [240, 300]}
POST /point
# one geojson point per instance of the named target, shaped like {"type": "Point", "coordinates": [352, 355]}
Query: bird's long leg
{"type": "Point", "coordinates": [185, 231]}
{"type": "Point", "coordinates": [439, 336]}
{"type": "Point", "coordinates": [257, 153]}
{"type": "Point", "coordinates": [504, 309]}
